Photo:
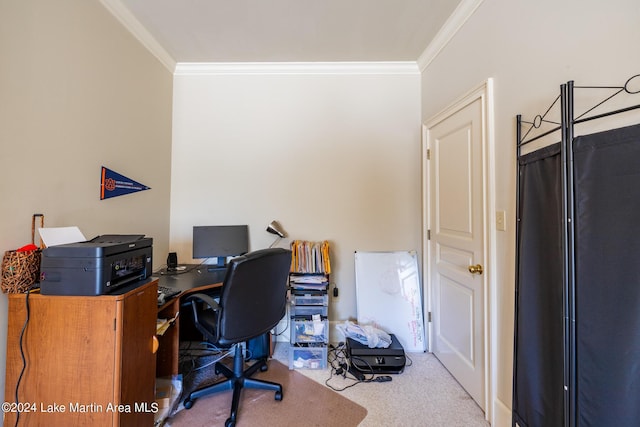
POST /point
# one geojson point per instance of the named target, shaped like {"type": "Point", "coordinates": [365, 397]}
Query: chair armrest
{"type": "Point", "coordinates": [205, 319]}
{"type": "Point", "coordinates": [205, 299]}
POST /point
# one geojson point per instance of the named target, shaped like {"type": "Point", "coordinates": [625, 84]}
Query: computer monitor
{"type": "Point", "coordinates": [220, 241]}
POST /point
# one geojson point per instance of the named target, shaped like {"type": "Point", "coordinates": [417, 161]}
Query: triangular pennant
{"type": "Point", "coordinates": [112, 184]}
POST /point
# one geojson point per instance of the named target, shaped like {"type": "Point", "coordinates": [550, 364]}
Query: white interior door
{"type": "Point", "coordinates": [456, 244]}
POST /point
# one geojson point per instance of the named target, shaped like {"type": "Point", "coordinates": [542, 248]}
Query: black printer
{"type": "Point", "coordinates": [390, 360]}
{"type": "Point", "coordinates": [95, 267]}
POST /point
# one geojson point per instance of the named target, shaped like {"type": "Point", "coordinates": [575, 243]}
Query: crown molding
{"type": "Point", "coordinates": [454, 23]}
{"type": "Point", "coordinates": [126, 18]}
{"type": "Point", "coordinates": [239, 68]}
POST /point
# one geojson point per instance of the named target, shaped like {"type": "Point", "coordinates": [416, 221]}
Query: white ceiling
{"type": "Point", "coordinates": [212, 31]}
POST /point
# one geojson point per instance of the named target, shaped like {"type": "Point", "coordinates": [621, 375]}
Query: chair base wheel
{"type": "Point", "coordinates": [188, 403]}
{"type": "Point", "coordinates": [278, 396]}
{"type": "Point", "coordinates": [229, 423]}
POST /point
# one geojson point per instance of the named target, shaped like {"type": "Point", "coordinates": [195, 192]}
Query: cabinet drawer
{"type": "Point", "coordinates": [307, 357]}
{"type": "Point", "coordinates": [309, 331]}
{"type": "Point", "coordinates": [306, 311]}
{"type": "Point", "coordinates": [309, 299]}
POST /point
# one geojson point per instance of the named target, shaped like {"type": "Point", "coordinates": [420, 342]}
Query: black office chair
{"type": "Point", "coordinates": [252, 301]}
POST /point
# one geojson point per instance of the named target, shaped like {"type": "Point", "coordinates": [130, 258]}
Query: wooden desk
{"type": "Point", "coordinates": [89, 356]}
{"type": "Point", "coordinates": [92, 356]}
{"type": "Point", "coordinates": [190, 281]}
{"type": "Point", "coordinates": [196, 278]}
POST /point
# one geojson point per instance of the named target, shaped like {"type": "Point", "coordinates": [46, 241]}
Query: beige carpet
{"type": "Point", "coordinates": [305, 403]}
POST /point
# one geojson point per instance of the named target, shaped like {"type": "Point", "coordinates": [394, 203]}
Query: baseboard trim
{"type": "Point", "coordinates": [501, 414]}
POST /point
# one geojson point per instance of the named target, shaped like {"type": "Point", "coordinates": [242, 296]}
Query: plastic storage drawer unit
{"type": "Point", "coordinates": [309, 331]}
{"type": "Point", "coordinates": [307, 357]}
{"type": "Point", "coordinates": [307, 311]}
{"type": "Point", "coordinates": [299, 298]}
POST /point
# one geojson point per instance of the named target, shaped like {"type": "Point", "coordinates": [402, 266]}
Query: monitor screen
{"type": "Point", "coordinates": [220, 241]}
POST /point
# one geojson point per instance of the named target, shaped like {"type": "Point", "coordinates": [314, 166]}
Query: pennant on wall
{"type": "Point", "coordinates": [113, 184]}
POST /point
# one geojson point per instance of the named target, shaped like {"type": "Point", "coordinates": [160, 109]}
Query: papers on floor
{"type": "Point", "coordinates": [168, 392]}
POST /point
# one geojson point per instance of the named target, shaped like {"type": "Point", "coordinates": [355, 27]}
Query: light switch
{"type": "Point", "coordinates": [501, 221]}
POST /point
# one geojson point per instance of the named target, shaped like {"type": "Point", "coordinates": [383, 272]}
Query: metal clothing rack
{"type": "Point", "coordinates": [544, 125]}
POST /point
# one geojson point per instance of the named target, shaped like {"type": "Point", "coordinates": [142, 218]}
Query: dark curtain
{"type": "Point", "coordinates": [607, 188]}
{"type": "Point", "coordinates": [539, 356]}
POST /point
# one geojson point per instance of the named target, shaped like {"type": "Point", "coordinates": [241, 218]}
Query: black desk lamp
{"type": "Point", "coordinates": [275, 228]}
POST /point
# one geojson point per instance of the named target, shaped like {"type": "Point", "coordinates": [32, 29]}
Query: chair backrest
{"type": "Point", "coordinates": [253, 298]}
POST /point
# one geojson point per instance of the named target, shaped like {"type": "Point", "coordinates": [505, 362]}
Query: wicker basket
{"type": "Point", "coordinates": [21, 269]}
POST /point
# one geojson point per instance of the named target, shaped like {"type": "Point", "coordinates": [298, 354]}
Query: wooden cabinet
{"type": "Point", "coordinates": [88, 360]}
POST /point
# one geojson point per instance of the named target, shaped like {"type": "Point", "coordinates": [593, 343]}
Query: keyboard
{"type": "Point", "coordinates": [168, 292]}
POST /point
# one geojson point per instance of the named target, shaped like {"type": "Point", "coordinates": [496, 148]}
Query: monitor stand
{"type": "Point", "coordinates": [221, 264]}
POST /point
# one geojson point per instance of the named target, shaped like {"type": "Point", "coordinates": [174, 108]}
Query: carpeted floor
{"type": "Point", "coordinates": [424, 395]}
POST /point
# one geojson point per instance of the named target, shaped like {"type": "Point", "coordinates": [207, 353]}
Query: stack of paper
{"type": "Point", "coordinates": [309, 282]}
{"type": "Point", "coordinates": [310, 257]}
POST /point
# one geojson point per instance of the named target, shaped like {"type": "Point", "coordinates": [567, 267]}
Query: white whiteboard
{"type": "Point", "coordinates": [388, 295]}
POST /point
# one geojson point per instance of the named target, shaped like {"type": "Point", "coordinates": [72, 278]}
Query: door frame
{"type": "Point", "coordinates": [484, 92]}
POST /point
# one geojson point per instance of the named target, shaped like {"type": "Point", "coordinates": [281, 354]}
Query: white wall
{"type": "Point", "coordinates": [529, 48]}
{"type": "Point", "coordinates": [331, 155]}
{"type": "Point", "coordinates": [77, 92]}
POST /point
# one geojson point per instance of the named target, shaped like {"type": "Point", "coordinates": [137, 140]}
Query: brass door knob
{"type": "Point", "coordinates": [475, 269]}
